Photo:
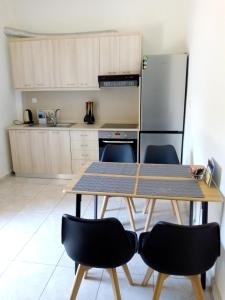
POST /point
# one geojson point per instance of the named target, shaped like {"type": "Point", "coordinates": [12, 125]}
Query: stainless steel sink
{"type": "Point", "coordinates": [58, 125]}
{"type": "Point", "coordinates": [64, 125]}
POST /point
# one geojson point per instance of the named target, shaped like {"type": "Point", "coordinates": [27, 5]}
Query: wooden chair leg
{"type": "Point", "coordinates": [131, 217]}
{"type": "Point", "coordinates": [197, 287]}
{"type": "Point", "coordinates": [115, 283]}
{"type": "Point", "coordinates": [104, 205]}
{"type": "Point", "coordinates": [79, 276]}
{"type": "Point", "coordinates": [128, 275]}
{"type": "Point", "coordinates": [145, 209]}
{"type": "Point", "coordinates": [147, 277]}
{"type": "Point", "coordinates": [158, 287]}
{"type": "Point", "coordinates": [132, 205]}
{"type": "Point", "coordinates": [150, 211]}
{"type": "Point", "coordinates": [177, 211]}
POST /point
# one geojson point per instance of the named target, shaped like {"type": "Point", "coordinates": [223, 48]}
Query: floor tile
{"type": "Point", "coordinates": [34, 264]}
{"type": "Point", "coordinates": [45, 245]}
{"type": "Point", "coordinates": [16, 234]}
{"type": "Point", "coordinates": [61, 282]}
{"type": "Point", "coordinates": [3, 266]}
{"type": "Point", "coordinates": [66, 261]}
{"type": "Point", "coordinates": [23, 281]}
{"type": "Point", "coordinates": [127, 291]}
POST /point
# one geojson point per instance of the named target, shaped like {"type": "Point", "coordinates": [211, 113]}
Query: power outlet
{"type": "Point", "coordinates": [34, 100]}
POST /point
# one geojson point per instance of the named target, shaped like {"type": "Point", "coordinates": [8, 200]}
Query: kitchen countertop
{"type": "Point", "coordinates": [76, 126]}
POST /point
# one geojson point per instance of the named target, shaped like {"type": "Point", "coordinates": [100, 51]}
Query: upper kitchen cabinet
{"type": "Point", "coordinates": [32, 64]}
{"type": "Point", "coordinates": [22, 67]}
{"type": "Point", "coordinates": [87, 64]}
{"type": "Point", "coordinates": [55, 63]}
{"type": "Point", "coordinates": [65, 63]}
{"type": "Point", "coordinates": [130, 54]}
{"type": "Point", "coordinates": [120, 54]}
{"type": "Point", "coordinates": [42, 63]}
{"type": "Point", "coordinates": [73, 62]}
{"type": "Point", "coordinates": [109, 55]}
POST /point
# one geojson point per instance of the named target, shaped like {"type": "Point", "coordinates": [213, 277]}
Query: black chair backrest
{"type": "Point", "coordinates": [101, 243]}
{"type": "Point", "coordinates": [118, 153]}
{"type": "Point", "coordinates": [180, 250]}
{"type": "Point", "coordinates": [165, 154]}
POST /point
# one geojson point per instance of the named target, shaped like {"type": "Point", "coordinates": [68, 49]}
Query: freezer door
{"type": "Point", "coordinates": [163, 93]}
{"type": "Point", "coordinates": [160, 139]}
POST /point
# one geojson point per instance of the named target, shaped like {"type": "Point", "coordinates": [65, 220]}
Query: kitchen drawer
{"type": "Point", "coordinates": [84, 135]}
{"type": "Point", "coordinates": [77, 164]}
{"type": "Point", "coordinates": [84, 145]}
{"type": "Point", "coordinates": [85, 154]}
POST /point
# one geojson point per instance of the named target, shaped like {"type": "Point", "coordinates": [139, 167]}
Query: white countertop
{"type": "Point", "coordinates": [76, 126]}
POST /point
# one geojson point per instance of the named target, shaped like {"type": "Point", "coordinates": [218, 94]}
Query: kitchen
{"type": "Point", "coordinates": [119, 105]}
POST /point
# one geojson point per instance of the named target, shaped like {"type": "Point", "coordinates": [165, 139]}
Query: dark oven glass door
{"type": "Point", "coordinates": [104, 142]}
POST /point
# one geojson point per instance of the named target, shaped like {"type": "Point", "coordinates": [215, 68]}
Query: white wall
{"type": "Point", "coordinates": [7, 101]}
{"type": "Point", "coordinates": [162, 22]}
{"type": "Point", "coordinates": [205, 126]}
{"type": "Point", "coordinates": [111, 105]}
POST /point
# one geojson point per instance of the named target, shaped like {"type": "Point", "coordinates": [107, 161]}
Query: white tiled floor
{"type": "Point", "coordinates": [33, 263]}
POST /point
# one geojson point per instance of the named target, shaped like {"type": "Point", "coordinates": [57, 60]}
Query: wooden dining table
{"type": "Point", "coordinates": [149, 181]}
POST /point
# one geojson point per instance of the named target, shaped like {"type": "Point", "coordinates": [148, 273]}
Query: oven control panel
{"type": "Point", "coordinates": [117, 135]}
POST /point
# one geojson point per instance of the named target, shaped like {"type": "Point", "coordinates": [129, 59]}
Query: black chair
{"type": "Point", "coordinates": [98, 244]}
{"type": "Point", "coordinates": [181, 250]}
{"type": "Point", "coordinates": [119, 153]}
{"type": "Point", "coordinates": [165, 154]}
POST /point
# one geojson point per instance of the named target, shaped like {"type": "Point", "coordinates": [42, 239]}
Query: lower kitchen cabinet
{"type": "Point", "coordinates": [21, 151]}
{"type": "Point", "coordinates": [84, 148]}
{"type": "Point", "coordinates": [52, 152]}
{"type": "Point", "coordinates": [59, 150]}
{"type": "Point", "coordinates": [40, 152]}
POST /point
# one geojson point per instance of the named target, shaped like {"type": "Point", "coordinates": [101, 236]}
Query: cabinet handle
{"type": "Point", "coordinates": [83, 135]}
{"type": "Point", "coordinates": [84, 155]}
{"type": "Point", "coordinates": [84, 145]}
{"type": "Point", "coordinates": [70, 84]}
{"type": "Point", "coordinates": [26, 84]}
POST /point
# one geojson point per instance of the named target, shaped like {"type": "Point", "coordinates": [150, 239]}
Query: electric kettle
{"type": "Point", "coordinates": [28, 117]}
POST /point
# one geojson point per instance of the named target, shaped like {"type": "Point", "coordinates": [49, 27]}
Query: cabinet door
{"type": "Point", "coordinates": [87, 62]}
{"type": "Point", "coordinates": [20, 151]}
{"type": "Point", "coordinates": [64, 60]}
{"type": "Point", "coordinates": [21, 57]}
{"type": "Point", "coordinates": [59, 161]}
{"type": "Point", "coordinates": [109, 55]}
{"type": "Point", "coordinates": [42, 61]}
{"type": "Point", "coordinates": [39, 151]}
{"type": "Point", "coordinates": [130, 54]}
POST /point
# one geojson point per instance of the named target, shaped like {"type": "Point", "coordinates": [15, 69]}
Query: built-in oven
{"type": "Point", "coordinates": [106, 137]}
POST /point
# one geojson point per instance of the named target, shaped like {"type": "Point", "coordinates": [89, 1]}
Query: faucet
{"type": "Point", "coordinates": [54, 118]}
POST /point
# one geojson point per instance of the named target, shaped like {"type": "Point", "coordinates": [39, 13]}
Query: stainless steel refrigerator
{"type": "Point", "coordinates": [163, 100]}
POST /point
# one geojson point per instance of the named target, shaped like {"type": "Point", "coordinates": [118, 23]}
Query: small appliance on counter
{"type": "Point", "coordinates": [89, 116]}
{"type": "Point", "coordinates": [28, 117]}
{"type": "Point", "coordinates": [42, 117]}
